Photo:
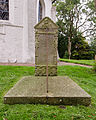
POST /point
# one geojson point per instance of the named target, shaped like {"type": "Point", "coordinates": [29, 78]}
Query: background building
{"type": "Point", "coordinates": [17, 21]}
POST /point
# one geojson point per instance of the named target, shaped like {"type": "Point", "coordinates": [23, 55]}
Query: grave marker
{"type": "Point", "coordinates": [46, 37]}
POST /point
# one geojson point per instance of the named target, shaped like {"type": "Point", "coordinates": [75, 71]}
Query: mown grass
{"type": "Point", "coordinates": [9, 75]}
{"type": "Point", "coordinates": [83, 62]}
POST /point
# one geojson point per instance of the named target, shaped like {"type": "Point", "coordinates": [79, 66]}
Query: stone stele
{"type": "Point", "coordinates": [46, 37]}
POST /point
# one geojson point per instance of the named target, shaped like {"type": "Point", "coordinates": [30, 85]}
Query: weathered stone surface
{"type": "Point", "coordinates": [41, 70]}
{"type": "Point", "coordinates": [62, 90]}
{"type": "Point", "coordinates": [46, 37]}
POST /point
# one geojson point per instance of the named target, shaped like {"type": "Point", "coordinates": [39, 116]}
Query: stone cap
{"type": "Point", "coordinates": [46, 23]}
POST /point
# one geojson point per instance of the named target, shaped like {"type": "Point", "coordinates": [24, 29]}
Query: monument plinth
{"type": "Point", "coordinates": [46, 87]}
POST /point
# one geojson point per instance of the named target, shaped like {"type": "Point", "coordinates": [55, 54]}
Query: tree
{"type": "Point", "coordinates": [93, 39]}
{"type": "Point", "coordinates": [71, 20]}
{"type": "Point", "coordinates": [95, 3]}
{"type": "Point", "coordinates": [81, 48]}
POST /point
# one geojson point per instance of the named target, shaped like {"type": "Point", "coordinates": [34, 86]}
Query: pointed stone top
{"type": "Point", "coordinates": [46, 23]}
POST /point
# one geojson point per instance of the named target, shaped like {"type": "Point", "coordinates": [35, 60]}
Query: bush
{"type": "Point", "coordinates": [94, 66]}
{"type": "Point", "coordinates": [62, 45]}
{"type": "Point", "coordinates": [66, 55]}
{"type": "Point", "coordinates": [80, 49]}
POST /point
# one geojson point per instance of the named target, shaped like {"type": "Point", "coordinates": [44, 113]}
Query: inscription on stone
{"type": "Point", "coordinates": [46, 37]}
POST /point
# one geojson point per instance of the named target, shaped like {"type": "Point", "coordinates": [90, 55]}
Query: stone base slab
{"type": "Point", "coordinates": [32, 90]}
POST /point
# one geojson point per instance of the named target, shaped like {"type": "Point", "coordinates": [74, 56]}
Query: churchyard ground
{"type": "Point", "coordinates": [84, 77]}
{"type": "Point", "coordinates": [83, 62]}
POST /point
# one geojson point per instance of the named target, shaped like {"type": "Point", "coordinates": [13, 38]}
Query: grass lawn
{"type": "Point", "coordinates": [83, 62]}
{"type": "Point", "coordinates": [9, 75]}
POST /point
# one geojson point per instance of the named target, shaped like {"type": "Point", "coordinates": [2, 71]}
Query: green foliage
{"type": "Point", "coordinates": [9, 75]}
{"type": "Point", "coordinates": [64, 14]}
{"type": "Point", "coordinates": [94, 66]}
{"type": "Point", "coordinates": [70, 16]}
{"type": "Point", "coordinates": [66, 55]}
{"type": "Point", "coordinates": [71, 22]}
{"type": "Point", "coordinates": [62, 45]}
{"type": "Point", "coordinates": [91, 5]}
{"type": "Point", "coordinates": [93, 46]}
{"type": "Point", "coordinates": [81, 49]}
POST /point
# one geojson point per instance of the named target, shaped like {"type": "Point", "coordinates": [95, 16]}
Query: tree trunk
{"type": "Point", "coordinates": [95, 58]}
{"type": "Point", "coordinates": [69, 48]}
{"type": "Point", "coordinates": [95, 3]}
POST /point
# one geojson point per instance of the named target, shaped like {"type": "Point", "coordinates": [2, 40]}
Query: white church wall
{"type": "Point", "coordinates": [48, 4]}
{"type": "Point", "coordinates": [25, 32]}
{"type": "Point", "coordinates": [33, 6]}
{"type": "Point", "coordinates": [11, 44]}
{"type": "Point", "coordinates": [53, 13]}
{"type": "Point", "coordinates": [18, 12]}
{"type": "Point", "coordinates": [11, 11]}
{"type": "Point", "coordinates": [11, 34]}
{"type": "Point", "coordinates": [17, 35]}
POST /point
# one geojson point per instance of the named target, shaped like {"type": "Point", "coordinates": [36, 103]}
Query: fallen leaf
{"type": "Point", "coordinates": [5, 119]}
{"type": "Point", "coordinates": [89, 116]}
{"type": "Point", "coordinates": [63, 107]}
{"type": "Point", "coordinates": [54, 116]}
{"type": "Point", "coordinates": [93, 114]}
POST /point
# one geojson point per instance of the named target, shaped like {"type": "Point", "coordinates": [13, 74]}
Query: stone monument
{"type": "Point", "coordinates": [46, 87]}
{"type": "Point", "coordinates": [46, 37]}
